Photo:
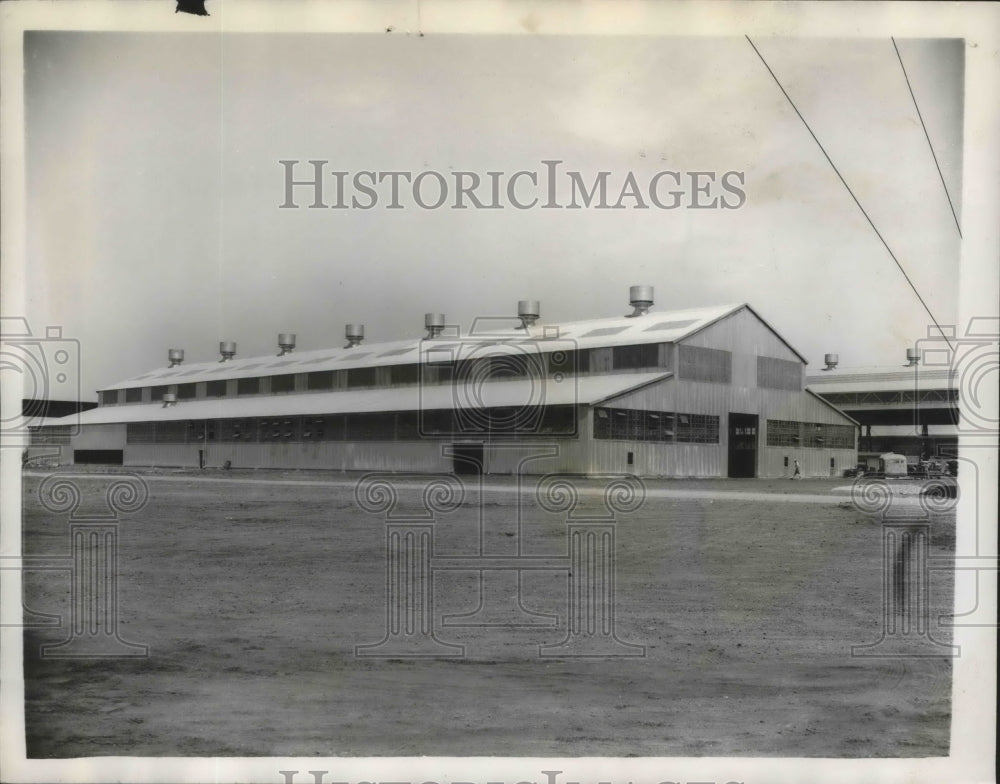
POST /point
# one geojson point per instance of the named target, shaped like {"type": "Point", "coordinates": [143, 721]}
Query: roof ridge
{"type": "Point", "coordinates": [626, 331]}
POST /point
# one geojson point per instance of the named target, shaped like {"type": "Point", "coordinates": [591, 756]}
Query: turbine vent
{"type": "Point", "coordinates": [175, 356]}
{"type": "Point", "coordinates": [831, 361]}
{"type": "Point", "coordinates": [528, 311]}
{"type": "Point", "coordinates": [286, 342]}
{"type": "Point", "coordinates": [641, 300]}
{"type": "Point", "coordinates": [228, 350]}
{"type": "Point", "coordinates": [354, 333]}
{"type": "Point", "coordinates": [434, 324]}
{"type": "Point", "coordinates": [912, 357]}
{"type": "Point", "coordinates": [169, 399]}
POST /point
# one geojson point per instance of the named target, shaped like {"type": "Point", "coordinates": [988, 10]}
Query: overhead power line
{"type": "Point", "coordinates": [927, 136]}
{"type": "Point", "coordinates": [848, 187]}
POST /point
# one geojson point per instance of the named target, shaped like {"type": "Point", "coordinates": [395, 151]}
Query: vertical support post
{"type": "Point", "coordinates": [94, 620]}
{"type": "Point", "coordinates": [409, 601]}
{"type": "Point", "coordinates": [591, 602]}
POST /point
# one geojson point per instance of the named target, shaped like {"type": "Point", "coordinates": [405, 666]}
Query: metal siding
{"type": "Point", "coordinates": [696, 397]}
{"type": "Point", "coordinates": [53, 453]}
{"type": "Point", "coordinates": [675, 460]}
{"type": "Point", "coordinates": [692, 397]}
{"type": "Point", "coordinates": [745, 335]}
{"type": "Point", "coordinates": [506, 459]}
{"type": "Point", "coordinates": [179, 455]}
{"type": "Point", "coordinates": [812, 462]}
{"type": "Point", "coordinates": [338, 456]}
{"type": "Point", "coordinates": [106, 436]}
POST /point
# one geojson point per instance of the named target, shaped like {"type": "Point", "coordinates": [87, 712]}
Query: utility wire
{"type": "Point", "coordinates": [927, 136]}
{"type": "Point", "coordinates": [837, 171]}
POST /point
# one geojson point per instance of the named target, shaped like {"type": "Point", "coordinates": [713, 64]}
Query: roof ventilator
{"type": "Point", "coordinates": [434, 324]}
{"type": "Point", "coordinates": [528, 312]}
{"type": "Point", "coordinates": [641, 299]}
{"type": "Point", "coordinates": [286, 342]}
{"type": "Point", "coordinates": [354, 333]}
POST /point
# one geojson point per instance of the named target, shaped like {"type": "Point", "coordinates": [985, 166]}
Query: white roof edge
{"type": "Point", "coordinates": [827, 403]}
{"type": "Point", "coordinates": [660, 377]}
{"type": "Point", "coordinates": [520, 392]}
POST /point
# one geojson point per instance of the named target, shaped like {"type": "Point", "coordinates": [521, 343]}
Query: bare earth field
{"type": "Point", "coordinates": [252, 597]}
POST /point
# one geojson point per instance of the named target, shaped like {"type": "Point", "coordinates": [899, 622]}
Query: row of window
{"type": "Point", "coordinates": [890, 397]}
{"type": "Point", "coordinates": [473, 370]}
{"type": "Point", "coordinates": [380, 426]}
{"type": "Point", "coordinates": [669, 427]}
{"type": "Point", "coordinates": [432, 372]}
{"type": "Point", "coordinates": [813, 435]}
{"type": "Point", "coordinates": [695, 363]}
{"type": "Point", "coordinates": [663, 426]}
{"type": "Point", "coordinates": [773, 373]}
{"type": "Point", "coordinates": [51, 434]}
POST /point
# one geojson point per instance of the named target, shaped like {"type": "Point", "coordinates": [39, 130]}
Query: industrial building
{"type": "Point", "coordinates": [702, 392]}
{"type": "Point", "coordinates": [910, 410]}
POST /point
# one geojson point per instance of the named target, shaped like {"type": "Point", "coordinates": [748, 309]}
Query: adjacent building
{"type": "Point", "coordinates": [910, 410]}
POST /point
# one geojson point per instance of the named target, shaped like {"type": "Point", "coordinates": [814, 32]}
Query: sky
{"type": "Point", "coordinates": [154, 186]}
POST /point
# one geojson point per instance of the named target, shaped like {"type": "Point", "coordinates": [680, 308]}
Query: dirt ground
{"type": "Point", "coordinates": [252, 597]}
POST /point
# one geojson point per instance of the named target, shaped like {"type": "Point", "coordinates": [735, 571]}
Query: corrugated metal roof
{"type": "Point", "coordinates": [488, 337]}
{"type": "Point", "coordinates": [520, 392]}
{"type": "Point", "coordinates": [901, 384]}
{"type": "Point", "coordinates": [902, 376]}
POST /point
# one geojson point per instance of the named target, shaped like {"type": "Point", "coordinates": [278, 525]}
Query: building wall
{"type": "Point", "coordinates": [51, 454]}
{"type": "Point", "coordinates": [711, 460]}
{"type": "Point", "coordinates": [420, 456]}
{"type": "Point", "coordinates": [538, 456]}
{"type": "Point", "coordinates": [812, 462]}
{"type": "Point", "coordinates": [98, 437]}
{"type": "Point", "coordinates": [747, 337]}
{"type": "Point", "coordinates": [330, 455]}
{"type": "Point", "coordinates": [649, 459]}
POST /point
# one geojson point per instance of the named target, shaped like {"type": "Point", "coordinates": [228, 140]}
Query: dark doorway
{"type": "Point", "coordinates": [467, 458]}
{"type": "Point", "coordinates": [99, 456]}
{"type": "Point", "coordinates": [742, 446]}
